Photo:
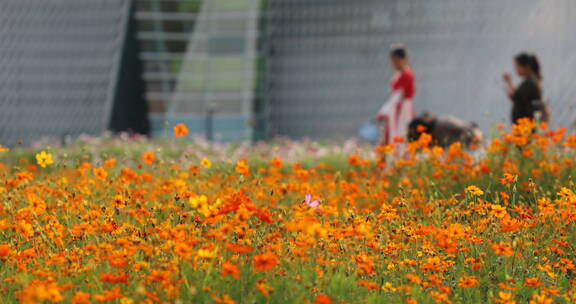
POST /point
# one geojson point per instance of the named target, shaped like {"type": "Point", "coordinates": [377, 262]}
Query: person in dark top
{"type": "Point", "coordinates": [527, 99]}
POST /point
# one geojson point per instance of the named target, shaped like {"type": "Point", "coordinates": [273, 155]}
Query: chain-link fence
{"type": "Point", "coordinates": [58, 66]}
{"type": "Point", "coordinates": [255, 69]}
{"type": "Point", "coordinates": [328, 64]}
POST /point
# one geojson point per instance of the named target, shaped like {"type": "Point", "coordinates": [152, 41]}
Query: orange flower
{"type": "Point", "coordinates": [37, 205]}
{"type": "Point", "coordinates": [468, 282]}
{"type": "Point", "coordinates": [498, 211]}
{"type": "Point", "coordinates": [322, 299]}
{"type": "Point", "coordinates": [40, 291]}
{"type": "Point", "coordinates": [180, 130]}
{"type": "Point", "coordinates": [242, 168]}
{"type": "Point", "coordinates": [231, 270]}
{"type": "Point", "coordinates": [541, 299]}
{"type": "Point", "coordinates": [505, 298]}
{"type": "Point", "coordinates": [224, 300]}
{"type": "Point", "coordinates": [365, 264]}
{"type": "Point", "coordinates": [4, 250]}
{"type": "Point", "coordinates": [240, 249]}
{"type": "Point", "coordinates": [109, 295]}
{"type": "Point", "coordinates": [570, 141]}
{"type": "Point", "coordinates": [510, 224]}
{"type": "Point", "coordinates": [121, 278]}
{"type": "Point", "coordinates": [265, 261]}
{"type": "Point", "coordinates": [119, 201]}
{"type": "Point", "coordinates": [81, 298]}
{"type": "Point", "coordinates": [25, 229]}
{"type": "Point", "coordinates": [100, 173]}
{"type": "Point", "coordinates": [502, 249]}
{"type": "Point", "coordinates": [148, 157]}
{"type": "Point", "coordinates": [532, 282]}
{"type": "Point", "coordinates": [277, 163]}
{"type": "Point", "coordinates": [369, 285]}
{"type": "Point", "coordinates": [109, 163]}
{"type": "Point", "coordinates": [354, 160]}
{"type": "Point", "coordinates": [508, 178]}
{"type": "Point", "coordinates": [566, 264]}
{"type": "Point", "coordinates": [414, 279]}
{"type": "Point", "coordinates": [183, 250]}
{"type": "Point", "coordinates": [264, 289]}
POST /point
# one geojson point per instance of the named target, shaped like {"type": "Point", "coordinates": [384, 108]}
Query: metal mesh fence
{"type": "Point", "coordinates": [328, 59]}
{"type": "Point", "coordinates": [57, 66]}
{"type": "Point", "coordinates": [321, 69]}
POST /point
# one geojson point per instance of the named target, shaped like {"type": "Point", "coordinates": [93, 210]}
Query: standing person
{"type": "Point", "coordinates": [398, 111]}
{"type": "Point", "coordinates": [527, 99]}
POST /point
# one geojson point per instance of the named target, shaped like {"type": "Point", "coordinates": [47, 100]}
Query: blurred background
{"type": "Point", "coordinates": [249, 70]}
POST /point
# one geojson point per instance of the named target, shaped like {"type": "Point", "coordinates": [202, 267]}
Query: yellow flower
{"type": "Point", "coordinates": [3, 149]}
{"type": "Point", "coordinates": [207, 253]}
{"type": "Point", "coordinates": [388, 287]}
{"type": "Point", "coordinates": [206, 163]}
{"type": "Point", "coordinates": [475, 191]}
{"type": "Point", "coordinates": [198, 201]}
{"type": "Point", "coordinates": [505, 297]}
{"type": "Point", "coordinates": [44, 159]}
{"type": "Point", "coordinates": [126, 301]}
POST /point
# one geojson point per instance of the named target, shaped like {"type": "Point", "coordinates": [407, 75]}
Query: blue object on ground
{"type": "Point", "coordinates": [369, 132]}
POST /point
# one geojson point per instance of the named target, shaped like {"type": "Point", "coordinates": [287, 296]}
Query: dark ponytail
{"type": "Point", "coordinates": [399, 51]}
{"type": "Point", "coordinates": [530, 61]}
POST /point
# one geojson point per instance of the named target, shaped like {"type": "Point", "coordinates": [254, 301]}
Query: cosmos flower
{"type": "Point", "coordinates": [44, 159]}
{"type": "Point", "coordinates": [502, 249]}
{"type": "Point", "coordinates": [100, 173]}
{"type": "Point", "coordinates": [467, 282]}
{"type": "Point", "coordinates": [277, 163]}
{"type": "Point", "coordinates": [265, 261]}
{"type": "Point", "coordinates": [224, 300]}
{"type": "Point", "coordinates": [180, 130]}
{"type": "Point", "coordinates": [475, 191]}
{"type": "Point", "coordinates": [4, 250]}
{"type": "Point", "coordinates": [311, 203]}
{"type": "Point", "coordinates": [81, 297]}
{"type": "Point", "coordinates": [322, 299]}
{"type": "Point", "coordinates": [242, 168]}
{"type": "Point", "coordinates": [230, 269]}
{"type": "Point", "coordinates": [206, 163]}
{"type": "Point", "coordinates": [148, 157]}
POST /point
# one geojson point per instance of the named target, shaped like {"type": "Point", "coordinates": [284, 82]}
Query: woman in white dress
{"type": "Point", "coordinates": [397, 113]}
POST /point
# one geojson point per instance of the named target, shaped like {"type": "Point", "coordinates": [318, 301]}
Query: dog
{"type": "Point", "coordinates": [445, 130]}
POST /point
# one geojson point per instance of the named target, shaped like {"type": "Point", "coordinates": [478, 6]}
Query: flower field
{"type": "Point", "coordinates": [181, 221]}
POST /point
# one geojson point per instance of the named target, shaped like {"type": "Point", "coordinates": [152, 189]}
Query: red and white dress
{"type": "Point", "coordinates": [398, 111]}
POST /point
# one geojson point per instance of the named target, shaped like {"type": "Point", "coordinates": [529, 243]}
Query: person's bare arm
{"type": "Point", "coordinates": [390, 105]}
{"type": "Point", "coordinates": [510, 88]}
